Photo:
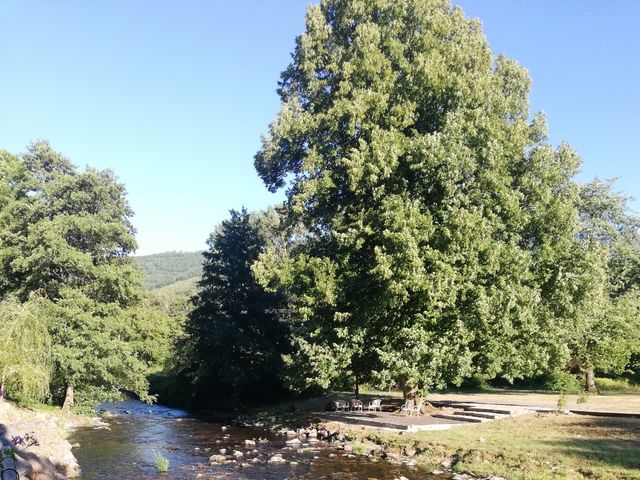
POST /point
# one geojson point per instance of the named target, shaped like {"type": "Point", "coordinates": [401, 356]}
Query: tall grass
{"type": "Point", "coordinates": [162, 464]}
{"type": "Point", "coordinates": [617, 385]}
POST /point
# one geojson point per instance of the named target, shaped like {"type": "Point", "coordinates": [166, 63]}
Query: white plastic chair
{"type": "Point", "coordinates": [356, 405]}
{"type": "Point", "coordinates": [407, 407]}
{"type": "Point", "coordinates": [341, 405]}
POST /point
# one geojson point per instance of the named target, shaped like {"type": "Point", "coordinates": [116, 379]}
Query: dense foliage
{"type": "Point", "coordinates": [235, 339]}
{"type": "Point", "coordinates": [446, 238]}
{"type": "Point", "coordinates": [163, 269]}
{"type": "Point", "coordinates": [65, 239]}
{"type": "Point", "coordinates": [431, 235]}
{"type": "Point", "coordinates": [25, 350]}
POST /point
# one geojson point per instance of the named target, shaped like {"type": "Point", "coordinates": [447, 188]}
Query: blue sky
{"type": "Point", "coordinates": [173, 95]}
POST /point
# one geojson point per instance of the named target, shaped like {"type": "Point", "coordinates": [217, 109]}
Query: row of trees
{"type": "Point", "coordinates": [430, 234]}
{"type": "Point", "coordinates": [75, 327]}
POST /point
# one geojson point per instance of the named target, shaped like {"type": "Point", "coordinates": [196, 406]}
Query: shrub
{"type": "Point", "coordinates": [562, 402]}
{"type": "Point", "coordinates": [583, 398]}
{"type": "Point", "coordinates": [563, 382]}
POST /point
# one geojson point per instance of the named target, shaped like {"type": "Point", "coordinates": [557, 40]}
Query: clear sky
{"type": "Point", "coordinates": [173, 95]}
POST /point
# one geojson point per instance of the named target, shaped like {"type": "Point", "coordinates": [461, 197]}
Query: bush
{"type": "Point", "coordinates": [562, 403]}
{"type": "Point", "coordinates": [476, 382]}
{"type": "Point", "coordinates": [582, 399]}
{"type": "Point", "coordinates": [563, 382]}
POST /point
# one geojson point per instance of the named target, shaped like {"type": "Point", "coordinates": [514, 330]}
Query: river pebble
{"type": "Point", "coordinates": [217, 459]}
{"type": "Point", "coordinates": [277, 459]}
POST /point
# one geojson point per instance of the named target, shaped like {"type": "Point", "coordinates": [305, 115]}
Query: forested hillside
{"type": "Point", "coordinates": [162, 269]}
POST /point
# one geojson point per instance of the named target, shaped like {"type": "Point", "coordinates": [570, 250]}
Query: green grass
{"type": "Point", "coordinates": [618, 385]}
{"type": "Point", "coordinates": [42, 407]}
{"type": "Point", "coordinates": [532, 447]}
{"type": "Point", "coordinates": [162, 464]}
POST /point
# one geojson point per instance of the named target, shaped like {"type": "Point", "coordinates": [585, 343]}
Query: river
{"type": "Point", "coordinates": [138, 433]}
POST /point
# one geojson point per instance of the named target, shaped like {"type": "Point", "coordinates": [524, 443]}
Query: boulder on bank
{"type": "Point", "coordinates": [52, 458]}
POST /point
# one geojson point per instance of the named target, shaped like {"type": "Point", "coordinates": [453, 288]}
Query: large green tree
{"type": "Point", "coordinates": [235, 336]}
{"type": "Point", "coordinates": [65, 236]}
{"type": "Point", "coordinates": [602, 330]}
{"type": "Point", "coordinates": [436, 211]}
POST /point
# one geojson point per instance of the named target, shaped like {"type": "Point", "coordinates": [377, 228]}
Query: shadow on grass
{"type": "Point", "coordinates": [609, 441]}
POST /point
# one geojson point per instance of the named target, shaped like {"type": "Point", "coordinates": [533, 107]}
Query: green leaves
{"type": "Point", "coordinates": [443, 231]}
{"type": "Point", "coordinates": [235, 336]}
{"type": "Point", "coordinates": [64, 240]}
{"type": "Point", "coordinates": [25, 346]}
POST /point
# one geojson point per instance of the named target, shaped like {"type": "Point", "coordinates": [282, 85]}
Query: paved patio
{"type": "Point", "coordinates": [392, 421]}
{"type": "Point", "coordinates": [627, 406]}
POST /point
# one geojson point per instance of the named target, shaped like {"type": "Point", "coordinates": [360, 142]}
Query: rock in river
{"type": "Point", "coordinates": [217, 459]}
{"type": "Point", "coordinates": [277, 459]}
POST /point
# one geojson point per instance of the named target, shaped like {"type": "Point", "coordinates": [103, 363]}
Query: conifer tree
{"type": "Point", "coordinates": [236, 338]}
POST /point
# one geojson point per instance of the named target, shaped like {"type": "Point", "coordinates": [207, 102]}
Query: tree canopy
{"type": "Point", "coordinates": [445, 235]}
{"type": "Point", "coordinates": [66, 236]}
{"type": "Point", "coordinates": [236, 338]}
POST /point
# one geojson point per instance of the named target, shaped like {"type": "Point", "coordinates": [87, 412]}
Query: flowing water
{"type": "Point", "coordinates": [138, 433]}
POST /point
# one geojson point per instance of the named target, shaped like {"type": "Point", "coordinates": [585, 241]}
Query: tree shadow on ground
{"type": "Point", "coordinates": [28, 464]}
{"type": "Point", "coordinates": [606, 440]}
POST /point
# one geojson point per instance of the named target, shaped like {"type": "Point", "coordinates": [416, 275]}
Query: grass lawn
{"type": "Point", "coordinates": [528, 447]}
{"type": "Point", "coordinates": [537, 446]}
{"type": "Point", "coordinates": [612, 402]}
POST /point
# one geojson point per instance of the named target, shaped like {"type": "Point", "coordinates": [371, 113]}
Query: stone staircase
{"type": "Point", "coordinates": [477, 412]}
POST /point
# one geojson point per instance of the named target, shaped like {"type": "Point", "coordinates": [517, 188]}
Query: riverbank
{"type": "Point", "coordinates": [531, 447]}
{"type": "Point", "coordinates": [45, 453]}
{"type": "Point", "coordinates": [538, 446]}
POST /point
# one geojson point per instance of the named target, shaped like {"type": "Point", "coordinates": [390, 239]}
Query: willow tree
{"type": "Point", "coordinates": [25, 350]}
{"type": "Point", "coordinates": [435, 209]}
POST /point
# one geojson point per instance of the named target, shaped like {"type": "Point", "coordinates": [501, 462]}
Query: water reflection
{"type": "Point", "coordinates": [138, 433]}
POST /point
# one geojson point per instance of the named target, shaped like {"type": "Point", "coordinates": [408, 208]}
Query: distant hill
{"type": "Point", "coordinates": [180, 287]}
{"type": "Point", "coordinates": [162, 269]}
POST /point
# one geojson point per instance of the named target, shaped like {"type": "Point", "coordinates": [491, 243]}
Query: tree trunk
{"type": "Point", "coordinates": [589, 380]}
{"type": "Point", "coordinates": [357, 389]}
{"type": "Point", "coordinates": [68, 399]}
{"type": "Point", "coordinates": [408, 392]}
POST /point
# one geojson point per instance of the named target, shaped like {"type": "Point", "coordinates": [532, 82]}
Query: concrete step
{"type": "Point", "coordinates": [460, 418]}
{"type": "Point", "coordinates": [487, 415]}
{"type": "Point", "coordinates": [498, 410]}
